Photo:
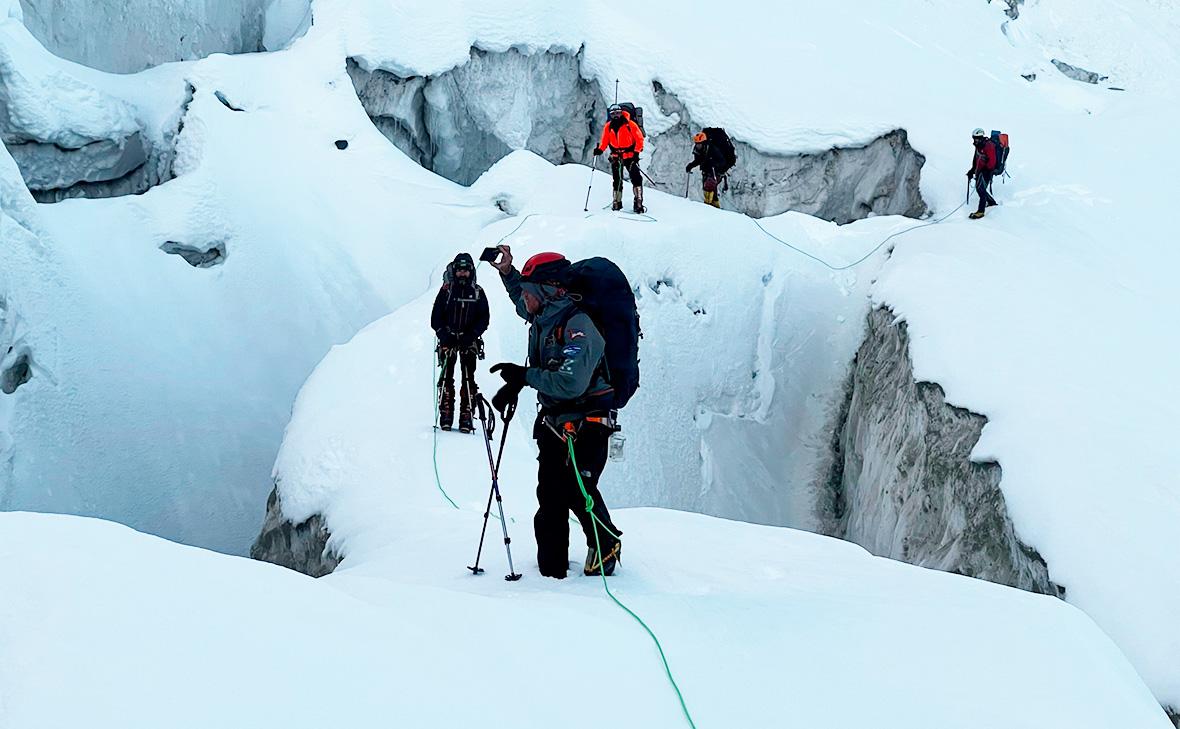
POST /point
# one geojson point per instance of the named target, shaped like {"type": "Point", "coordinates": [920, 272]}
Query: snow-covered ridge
{"type": "Point", "coordinates": [460, 122]}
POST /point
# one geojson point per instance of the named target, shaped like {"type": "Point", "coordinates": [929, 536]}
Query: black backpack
{"type": "Point", "coordinates": [718, 138]}
{"type": "Point", "coordinates": [1000, 142]}
{"type": "Point", "coordinates": [636, 113]}
{"type": "Point", "coordinates": [602, 291]}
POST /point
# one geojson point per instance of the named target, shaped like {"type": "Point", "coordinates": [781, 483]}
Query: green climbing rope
{"type": "Point", "coordinates": [434, 428]}
{"type": "Point", "coordinates": [606, 586]}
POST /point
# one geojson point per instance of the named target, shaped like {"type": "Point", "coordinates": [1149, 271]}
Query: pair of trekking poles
{"type": "Point", "coordinates": [487, 419]}
{"type": "Point", "coordinates": [593, 169]}
{"type": "Point", "coordinates": [488, 424]}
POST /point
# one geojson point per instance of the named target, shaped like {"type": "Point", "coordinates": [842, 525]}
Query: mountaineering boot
{"type": "Point", "coordinates": [711, 199]}
{"type": "Point", "coordinates": [446, 410]}
{"type": "Point", "coordinates": [617, 204]}
{"type": "Point", "coordinates": [638, 207]}
{"type": "Point", "coordinates": [976, 215]}
{"type": "Point", "coordinates": [465, 424]}
{"type": "Point", "coordinates": [606, 566]}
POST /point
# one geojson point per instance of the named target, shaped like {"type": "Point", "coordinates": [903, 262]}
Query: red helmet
{"type": "Point", "coordinates": [544, 267]}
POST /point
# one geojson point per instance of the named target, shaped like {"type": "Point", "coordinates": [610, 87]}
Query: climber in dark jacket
{"type": "Point", "coordinates": [711, 159]}
{"type": "Point", "coordinates": [459, 318]}
{"type": "Point", "coordinates": [566, 367]}
{"type": "Point", "coordinates": [983, 164]}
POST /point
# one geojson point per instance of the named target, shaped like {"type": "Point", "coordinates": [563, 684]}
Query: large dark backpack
{"type": "Point", "coordinates": [1000, 142]}
{"type": "Point", "coordinates": [602, 291]}
{"type": "Point", "coordinates": [635, 112]}
{"type": "Point", "coordinates": [719, 139]}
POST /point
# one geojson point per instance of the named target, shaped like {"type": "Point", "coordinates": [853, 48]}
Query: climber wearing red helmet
{"type": "Point", "coordinates": [566, 366]}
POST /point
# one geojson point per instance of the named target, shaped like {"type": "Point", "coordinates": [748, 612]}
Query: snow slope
{"type": "Point", "coordinates": [172, 384]}
{"type": "Point", "coordinates": [814, 632]}
{"type": "Point", "coordinates": [1049, 317]}
{"type": "Point", "coordinates": [1052, 316]}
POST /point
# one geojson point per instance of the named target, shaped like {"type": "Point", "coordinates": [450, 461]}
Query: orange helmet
{"type": "Point", "coordinates": [700, 137]}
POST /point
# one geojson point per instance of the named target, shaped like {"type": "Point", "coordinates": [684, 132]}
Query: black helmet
{"type": "Point", "coordinates": [614, 109]}
{"type": "Point", "coordinates": [462, 262]}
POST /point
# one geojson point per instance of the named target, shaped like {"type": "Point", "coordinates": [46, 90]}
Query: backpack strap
{"type": "Point", "coordinates": [559, 334]}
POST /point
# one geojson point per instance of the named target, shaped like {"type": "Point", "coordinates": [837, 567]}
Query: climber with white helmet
{"type": "Point", "coordinates": [983, 166]}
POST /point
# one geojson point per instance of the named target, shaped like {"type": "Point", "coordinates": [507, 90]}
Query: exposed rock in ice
{"type": "Point", "coordinates": [842, 184]}
{"type": "Point", "coordinates": [1078, 74]}
{"type": "Point", "coordinates": [132, 35]}
{"type": "Point", "coordinates": [1013, 10]}
{"type": "Point", "coordinates": [458, 124]}
{"type": "Point", "coordinates": [906, 486]}
{"type": "Point", "coordinates": [302, 547]}
{"type": "Point", "coordinates": [207, 257]}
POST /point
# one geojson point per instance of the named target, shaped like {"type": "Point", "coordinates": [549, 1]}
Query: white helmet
{"type": "Point", "coordinates": [978, 133]}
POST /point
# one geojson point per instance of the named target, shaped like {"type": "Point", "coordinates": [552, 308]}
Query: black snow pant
{"type": "Point", "coordinates": [446, 380]}
{"type": "Point", "coordinates": [558, 494]}
{"type": "Point", "coordinates": [983, 180]}
{"type": "Point", "coordinates": [631, 165]}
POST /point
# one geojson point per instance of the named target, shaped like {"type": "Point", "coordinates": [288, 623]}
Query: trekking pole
{"type": "Point", "coordinates": [593, 169]}
{"type": "Point", "coordinates": [687, 180]}
{"type": "Point", "coordinates": [644, 173]}
{"type": "Point", "coordinates": [488, 430]}
{"type": "Point", "coordinates": [494, 466]}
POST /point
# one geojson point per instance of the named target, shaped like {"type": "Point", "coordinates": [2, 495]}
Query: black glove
{"type": "Point", "coordinates": [446, 340]}
{"type": "Point", "coordinates": [597, 151]}
{"type": "Point", "coordinates": [512, 373]}
{"type": "Point", "coordinates": [688, 167]}
{"type": "Point", "coordinates": [505, 397]}
{"type": "Point", "coordinates": [970, 174]}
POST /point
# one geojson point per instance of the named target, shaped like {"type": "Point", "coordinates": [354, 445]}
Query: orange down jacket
{"type": "Point", "coordinates": [626, 140]}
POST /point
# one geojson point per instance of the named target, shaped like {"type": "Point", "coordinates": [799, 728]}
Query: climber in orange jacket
{"type": "Point", "coordinates": [624, 138]}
